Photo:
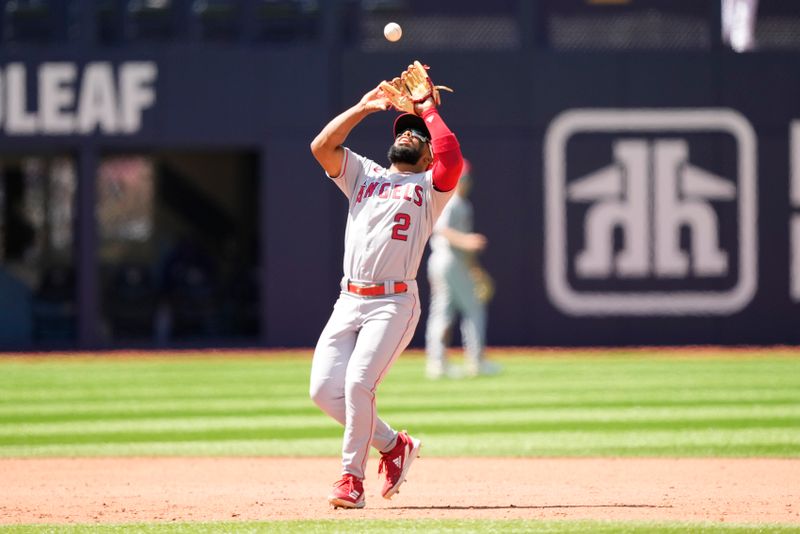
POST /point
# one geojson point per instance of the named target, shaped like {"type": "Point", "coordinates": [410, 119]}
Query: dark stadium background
{"type": "Point", "coordinates": [210, 224]}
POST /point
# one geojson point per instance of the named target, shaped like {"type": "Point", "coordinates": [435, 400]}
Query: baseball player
{"type": "Point", "coordinates": [454, 247]}
{"type": "Point", "coordinates": [390, 217]}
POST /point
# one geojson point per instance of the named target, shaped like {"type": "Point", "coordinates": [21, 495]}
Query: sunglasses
{"type": "Point", "coordinates": [414, 133]}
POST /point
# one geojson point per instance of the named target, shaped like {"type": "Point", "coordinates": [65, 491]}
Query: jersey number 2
{"type": "Point", "coordinates": [403, 221]}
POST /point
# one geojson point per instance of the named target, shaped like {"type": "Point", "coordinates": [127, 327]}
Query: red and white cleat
{"type": "Point", "coordinates": [396, 463]}
{"type": "Point", "coordinates": [347, 493]}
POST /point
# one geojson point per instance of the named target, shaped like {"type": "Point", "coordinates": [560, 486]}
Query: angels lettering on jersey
{"type": "Point", "coordinates": [390, 218]}
{"type": "Point", "coordinates": [387, 190]}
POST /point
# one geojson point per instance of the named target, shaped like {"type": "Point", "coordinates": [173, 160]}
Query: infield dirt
{"type": "Point", "coordinates": [114, 490]}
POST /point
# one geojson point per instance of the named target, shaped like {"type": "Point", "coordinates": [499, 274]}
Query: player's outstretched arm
{"type": "Point", "coordinates": [327, 145]}
{"type": "Point", "coordinates": [447, 151]}
{"type": "Point", "coordinates": [467, 241]}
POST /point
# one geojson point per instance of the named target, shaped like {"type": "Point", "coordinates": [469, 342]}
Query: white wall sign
{"type": "Point", "coordinates": [74, 99]}
{"type": "Point", "coordinates": [649, 192]}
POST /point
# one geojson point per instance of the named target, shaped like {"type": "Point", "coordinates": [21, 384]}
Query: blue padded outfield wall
{"type": "Point", "coordinates": [628, 197]}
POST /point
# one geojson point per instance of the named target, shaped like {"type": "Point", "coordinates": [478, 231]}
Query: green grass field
{"type": "Point", "coordinates": [544, 404]}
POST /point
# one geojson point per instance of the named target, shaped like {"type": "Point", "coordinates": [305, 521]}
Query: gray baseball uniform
{"type": "Point", "coordinates": [452, 292]}
{"type": "Point", "coordinates": [390, 217]}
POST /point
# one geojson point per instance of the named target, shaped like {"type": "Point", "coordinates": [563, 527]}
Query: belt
{"type": "Point", "coordinates": [377, 289]}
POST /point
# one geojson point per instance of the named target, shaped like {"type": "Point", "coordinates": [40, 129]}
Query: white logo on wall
{"type": "Point", "coordinates": [649, 238]}
{"type": "Point", "coordinates": [76, 99]}
{"type": "Point", "coordinates": [794, 221]}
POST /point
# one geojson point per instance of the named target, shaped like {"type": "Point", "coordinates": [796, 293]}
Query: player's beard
{"type": "Point", "coordinates": [404, 154]}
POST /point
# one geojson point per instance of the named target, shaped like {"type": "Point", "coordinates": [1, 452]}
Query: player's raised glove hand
{"type": "Point", "coordinates": [412, 87]}
{"type": "Point", "coordinates": [398, 95]}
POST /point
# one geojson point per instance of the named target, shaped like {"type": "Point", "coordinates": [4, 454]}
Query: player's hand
{"type": "Point", "coordinates": [426, 104]}
{"type": "Point", "coordinates": [375, 100]}
{"type": "Point", "coordinates": [474, 242]}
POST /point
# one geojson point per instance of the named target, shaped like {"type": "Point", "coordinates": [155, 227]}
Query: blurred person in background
{"type": "Point", "coordinates": [459, 286]}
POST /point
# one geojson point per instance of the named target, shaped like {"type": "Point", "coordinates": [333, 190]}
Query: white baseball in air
{"type": "Point", "coordinates": [392, 31]}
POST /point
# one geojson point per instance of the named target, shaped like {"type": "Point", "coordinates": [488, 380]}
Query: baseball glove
{"type": "Point", "coordinates": [484, 284]}
{"type": "Point", "coordinates": [412, 87]}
